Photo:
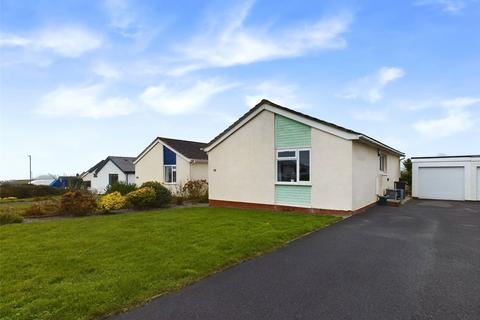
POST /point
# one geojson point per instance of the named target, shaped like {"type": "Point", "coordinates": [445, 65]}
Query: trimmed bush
{"type": "Point", "coordinates": [7, 199]}
{"type": "Point", "coordinates": [44, 209]}
{"type": "Point", "coordinates": [121, 187]}
{"type": "Point", "coordinates": [142, 198]}
{"type": "Point", "coordinates": [27, 190]}
{"type": "Point", "coordinates": [7, 217]}
{"type": "Point", "coordinates": [112, 201]}
{"type": "Point", "coordinates": [163, 196]}
{"type": "Point", "coordinates": [196, 190]}
{"type": "Point", "coordinates": [78, 203]}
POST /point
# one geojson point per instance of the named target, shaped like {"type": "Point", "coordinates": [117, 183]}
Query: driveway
{"type": "Point", "coordinates": [418, 261]}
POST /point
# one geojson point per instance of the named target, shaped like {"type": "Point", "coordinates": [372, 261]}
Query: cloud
{"type": "Point", "coordinates": [370, 115]}
{"type": "Point", "coordinates": [282, 93]}
{"type": "Point", "coordinates": [65, 41]}
{"type": "Point", "coordinates": [10, 40]}
{"type": "Point", "coordinates": [123, 18]}
{"type": "Point", "coordinates": [84, 101]}
{"type": "Point", "coordinates": [460, 102]}
{"type": "Point", "coordinates": [446, 103]}
{"type": "Point", "coordinates": [230, 42]}
{"type": "Point", "coordinates": [454, 122]}
{"type": "Point", "coordinates": [173, 100]}
{"type": "Point", "coordinates": [106, 71]}
{"type": "Point", "coordinates": [370, 88]}
{"type": "Point", "coordinates": [449, 6]}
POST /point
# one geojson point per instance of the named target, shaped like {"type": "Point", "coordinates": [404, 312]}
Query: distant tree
{"type": "Point", "coordinates": [406, 174]}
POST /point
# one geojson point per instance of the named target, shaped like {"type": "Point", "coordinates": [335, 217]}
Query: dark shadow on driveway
{"type": "Point", "coordinates": [418, 261]}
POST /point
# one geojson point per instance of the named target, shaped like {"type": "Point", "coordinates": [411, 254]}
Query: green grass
{"type": "Point", "coordinates": [84, 268]}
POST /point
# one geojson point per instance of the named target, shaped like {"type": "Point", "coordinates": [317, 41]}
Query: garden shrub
{"type": "Point", "coordinates": [112, 201]}
{"type": "Point", "coordinates": [9, 199]}
{"type": "Point", "coordinates": [196, 190]}
{"type": "Point", "coordinates": [177, 199]}
{"type": "Point", "coordinates": [121, 187]}
{"type": "Point", "coordinates": [27, 190]}
{"type": "Point", "coordinates": [142, 198]}
{"type": "Point", "coordinates": [7, 216]}
{"type": "Point", "coordinates": [163, 196]}
{"type": "Point", "coordinates": [78, 203]}
{"type": "Point", "coordinates": [44, 209]}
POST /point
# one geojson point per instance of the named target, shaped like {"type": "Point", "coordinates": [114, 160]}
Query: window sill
{"type": "Point", "coordinates": [307, 184]}
{"type": "Point", "coordinates": [170, 183]}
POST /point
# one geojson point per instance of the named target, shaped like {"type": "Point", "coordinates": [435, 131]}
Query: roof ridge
{"type": "Point", "coordinates": [190, 141]}
{"type": "Point", "coordinates": [266, 101]}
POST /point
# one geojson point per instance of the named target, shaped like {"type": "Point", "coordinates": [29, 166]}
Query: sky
{"type": "Point", "coordinates": [82, 80]}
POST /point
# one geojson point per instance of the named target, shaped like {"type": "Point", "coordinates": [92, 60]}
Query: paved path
{"type": "Point", "coordinates": [419, 261]}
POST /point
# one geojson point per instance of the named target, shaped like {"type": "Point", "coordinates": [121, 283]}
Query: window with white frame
{"type": "Point", "coordinates": [293, 165]}
{"type": "Point", "coordinates": [170, 173]}
{"type": "Point", "coordinates": [383, 162]}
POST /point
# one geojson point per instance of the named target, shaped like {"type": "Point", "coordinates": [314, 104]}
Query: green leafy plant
{"type": "Point", "coordinates": [196, 190]}
{"type": "Point", "coordinates": [406, 173]}
{"type": "Point", "coordinates": [44, 208]}
{"type": "Point", "coordinates": [112, 201]}
{"type": "Point", "coordinates": [7, 216]}
{"type": "Point", "coordinates": [142, 198]}
{"type": "Point", "coordinates": [78, 203]}
{"type": "Point", "coordinates": [121, 187]}
{"type": "Point", "coordinates": [163, 196]}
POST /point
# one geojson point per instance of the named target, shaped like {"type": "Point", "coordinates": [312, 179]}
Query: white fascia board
{"type": "Point", "coordinates": [176, 152]}
{"type": "Point", "coordinates": [380, 145]}
{"type": "Point", "coordinates": [312, 123]}
{"type": "Point", "coordinates": [458, 159]}
{"type": "Point", "coordinates": [152, 145]}
{"type": "Point", "coordinates": [308, 122]}
{"type": "Point", "coordinates": [157, 141]}
{"type": "Point", "coordinates": [234, 129]}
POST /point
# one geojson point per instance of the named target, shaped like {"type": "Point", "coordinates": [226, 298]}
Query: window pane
{"type": "Point", "coordinates": [286, 154]}
{"type": "Point", "coordinates": [174, 174]}
{"type": "Point", "coordinates": [112, 178]}
{"type": "Point", "coordinates": [304, 158]}
{"type": "Point", "coordinates": [168, 174]}
{"type": "Point", "coordinates": [287, 170]}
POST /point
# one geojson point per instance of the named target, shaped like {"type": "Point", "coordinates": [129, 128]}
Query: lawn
{"type": "Point", "coordinates": [84, 268]}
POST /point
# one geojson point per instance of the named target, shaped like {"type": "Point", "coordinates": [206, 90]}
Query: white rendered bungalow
{"type": "Point", "coordinates": [172, 162]}
{"type": "Point", "coordinates": [277, 158]}
{"type": "Point", "coordinates": [108, 171]}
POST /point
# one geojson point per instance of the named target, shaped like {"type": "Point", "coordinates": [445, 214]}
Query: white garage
{"type": "Point", "coordinates": [446, 177]}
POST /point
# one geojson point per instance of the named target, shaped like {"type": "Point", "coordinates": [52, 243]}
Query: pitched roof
{"type": "Point", "coordinates": [189, 149]}
{"type": "Point", "coordinates": [98, 165]}
{"type": "Point", "coordinates": [123, 163]}
{"type": "Point", "coordinates": [299, 114]}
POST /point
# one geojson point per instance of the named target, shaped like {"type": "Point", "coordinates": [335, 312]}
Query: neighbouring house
{"type": "Point", "coordinates": [44, 180]}
{"type": "Point", "coordinates": [108, 171]}
{"type": "Point", "coordinates": [172, 162]}
{"type": "Point", "coordinates": [277, 158]}
{"type": "Point", "coordinates": [446, 177]}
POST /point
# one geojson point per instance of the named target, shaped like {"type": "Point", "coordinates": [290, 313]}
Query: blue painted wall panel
{"type": "Point", "coordinates": [169, 157]}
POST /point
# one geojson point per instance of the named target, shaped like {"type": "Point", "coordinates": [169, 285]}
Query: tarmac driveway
{"type": "Point", "coordinates": [418, 261]}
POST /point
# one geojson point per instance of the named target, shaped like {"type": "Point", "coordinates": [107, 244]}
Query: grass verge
{"type": "Point", "coordinates": [88, 267]}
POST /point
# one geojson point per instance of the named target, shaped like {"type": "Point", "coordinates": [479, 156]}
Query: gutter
{"type": "Point", "coordinates": [377, 143]}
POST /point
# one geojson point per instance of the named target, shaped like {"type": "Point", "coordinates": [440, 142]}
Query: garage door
{"type": "Point", "coordinates": [445, 183]}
